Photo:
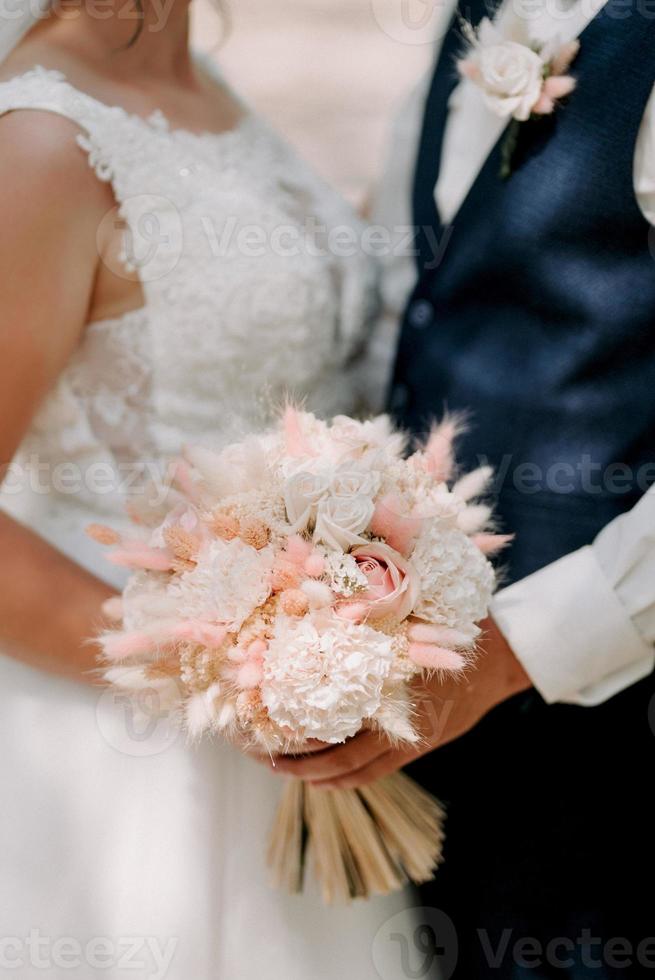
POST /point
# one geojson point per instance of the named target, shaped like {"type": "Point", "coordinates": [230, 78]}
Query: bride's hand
{"type": "Point", "coordinates": [446, 710]}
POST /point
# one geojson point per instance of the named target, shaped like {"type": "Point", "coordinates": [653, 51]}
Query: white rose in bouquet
{"type": "Point", "coordinates": [341, 521]}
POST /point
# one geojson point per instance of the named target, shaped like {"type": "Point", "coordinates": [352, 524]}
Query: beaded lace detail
{"type": "Point", "coordinates": [241, 307]}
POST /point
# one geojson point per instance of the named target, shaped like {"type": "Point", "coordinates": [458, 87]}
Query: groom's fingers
{"type": "Point", "coordinates": [385, 764]}
{"type": "Point", "coordinates": [336, 762]}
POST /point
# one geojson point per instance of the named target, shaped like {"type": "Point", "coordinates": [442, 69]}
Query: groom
{"type": "Point", "coordinates": [538, 318]}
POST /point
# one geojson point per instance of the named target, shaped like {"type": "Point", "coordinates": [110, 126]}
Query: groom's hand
{"type": "Point", "coordinates": [445, 711]}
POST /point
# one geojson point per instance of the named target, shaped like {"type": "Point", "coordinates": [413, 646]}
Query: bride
{"type": "Point", "coordinates": [158, 287]}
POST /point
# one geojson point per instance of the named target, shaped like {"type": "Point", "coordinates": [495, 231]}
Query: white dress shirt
{"type": "Point", "coordinates": [584, 626]}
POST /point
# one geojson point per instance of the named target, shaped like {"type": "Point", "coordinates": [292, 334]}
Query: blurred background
{"type": "Point", "coordinates": [330, 74]}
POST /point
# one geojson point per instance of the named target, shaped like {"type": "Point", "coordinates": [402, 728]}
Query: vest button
{"type": "Point", "coordinates": [421, 314]}
{"type": "Point", "coordinates": [399, 398]}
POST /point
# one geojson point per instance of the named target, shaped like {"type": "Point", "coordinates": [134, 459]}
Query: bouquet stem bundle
{"type": "Point", "coordinates": [363, 842]}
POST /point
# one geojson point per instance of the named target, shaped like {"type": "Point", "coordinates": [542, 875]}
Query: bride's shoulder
{"type": "Point", "coordinates": [42, 159]}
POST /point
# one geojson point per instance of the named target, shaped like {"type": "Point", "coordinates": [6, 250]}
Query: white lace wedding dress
{"type": "Point", "coordinates": [127, 839]}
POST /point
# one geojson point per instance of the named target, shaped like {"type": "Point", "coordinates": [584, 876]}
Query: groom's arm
{"type": "Point", "coordinates": [584, 627]}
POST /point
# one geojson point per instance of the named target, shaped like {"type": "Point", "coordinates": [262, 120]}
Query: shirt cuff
{"type": "Point", "coordinates": [574, 638]}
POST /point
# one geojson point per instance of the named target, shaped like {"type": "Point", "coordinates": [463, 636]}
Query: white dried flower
{"type": "Point", "coordinates": [344, 574]}
{"type": "Point", "coordinates": [323, 681]}
{"type": "Point", "coordinates": [456, 580]}
{"type": "Point", "coordinates": [229, 582]}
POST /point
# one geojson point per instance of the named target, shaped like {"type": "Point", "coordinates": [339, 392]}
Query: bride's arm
{"type": "Point", "coordinates": [50, 207]}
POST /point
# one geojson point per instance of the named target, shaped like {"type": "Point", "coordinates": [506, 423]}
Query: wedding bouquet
{"type": "Point", "coordinates": [292, 588]}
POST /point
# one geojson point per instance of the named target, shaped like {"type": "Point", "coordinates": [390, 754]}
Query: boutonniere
{"type": "Point", "coordinates": [518, 81]}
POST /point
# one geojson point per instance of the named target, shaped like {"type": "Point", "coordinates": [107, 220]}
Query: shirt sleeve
{"type": "Point", "coordinates": [584, 626]}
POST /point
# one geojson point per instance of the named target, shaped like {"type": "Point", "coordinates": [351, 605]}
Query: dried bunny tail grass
{"type": "Point", "coordinates": [474, 518]}
{"type": "Point", "coordinates": [473, 484]}
{"type": "Point", "coordinates": [398, 530]}
{"type": "Point", "coordinates": [117, 646]}
{"type": "Point", "coordinates": [420, 632]}
{"type": "Point", "coordinates": [200, 711]}
{"type": "Point", "coordinates": [182, 476]}
{"type": "Point", "coordinates": [138, 555]}
{"type": "Point", "coordinates": [395, 716]}
{"type": "Point", "coordinates": [440, 447]}
{"type": "Point", "coordinates": [491, 544]}
{"type": "Point", "coordinates": [102, 534]}
{"type": "Point", "coordinates": [431, 657]}
{"type": "Point", "coordinates": [296, 443]}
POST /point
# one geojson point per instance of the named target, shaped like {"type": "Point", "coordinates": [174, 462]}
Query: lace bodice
{"type": "Point", "coordinates": [254, 280]}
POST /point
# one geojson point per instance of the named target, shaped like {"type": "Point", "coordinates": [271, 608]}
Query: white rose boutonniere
{"type": "Point", "coordinates": [518, 81]}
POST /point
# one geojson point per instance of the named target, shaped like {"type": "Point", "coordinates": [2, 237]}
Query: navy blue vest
{"type": "Point", "coordinates": [537, 315]}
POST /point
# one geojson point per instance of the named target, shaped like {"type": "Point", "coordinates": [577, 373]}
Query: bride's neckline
{"type": "Point", "coordinates": [157, 121]}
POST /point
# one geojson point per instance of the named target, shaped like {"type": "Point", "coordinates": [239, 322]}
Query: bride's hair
{"type": "Point", "coordinates": [219, 5]}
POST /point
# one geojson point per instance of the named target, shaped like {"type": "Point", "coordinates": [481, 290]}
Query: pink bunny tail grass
{"type": "Point", "coordinates": [388, 523]}
{"type": "Point", "coordinates": [473, 484]}
{"type": "Point", "coordinates": [314, 566]}
{"type": "Point", "coordinates": [439, 449]}
{"type": "Point", "coordinates": [124, 646]}
{"type": "Point", "coordinates": [297, 445]}
{"type": "Point", "coordinates": [113, 609]}
{"type": "Point", "coordinates": [432, 657]}
{"type": "Point", "coordinates": [102, 534]}
{"type": "Point", "coordinates": [441, 636]}
{"type": "Point", "coordinates": [249, 675]}
{"type": "Point", "coordinates": [194, 631]}
{"type": "Point", "coordinates": [298, 550]}
{"type": "Point", "coordinates": [356, 612]}
{"type": "Point", "coordinates": [564, 58]}
{"type": "Point", "coordinates": [490, 544]}
{"type": "Point", "coordinates": [141, 557]}
{"type": "Point", "coordinates": [183, 480]}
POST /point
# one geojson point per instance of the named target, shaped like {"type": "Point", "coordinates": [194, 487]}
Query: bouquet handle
{"type": "Point", "coordinates": [363, 842]}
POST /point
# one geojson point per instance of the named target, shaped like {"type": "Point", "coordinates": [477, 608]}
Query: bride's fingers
{"type": "Point", "coordinates": [336, 762]}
